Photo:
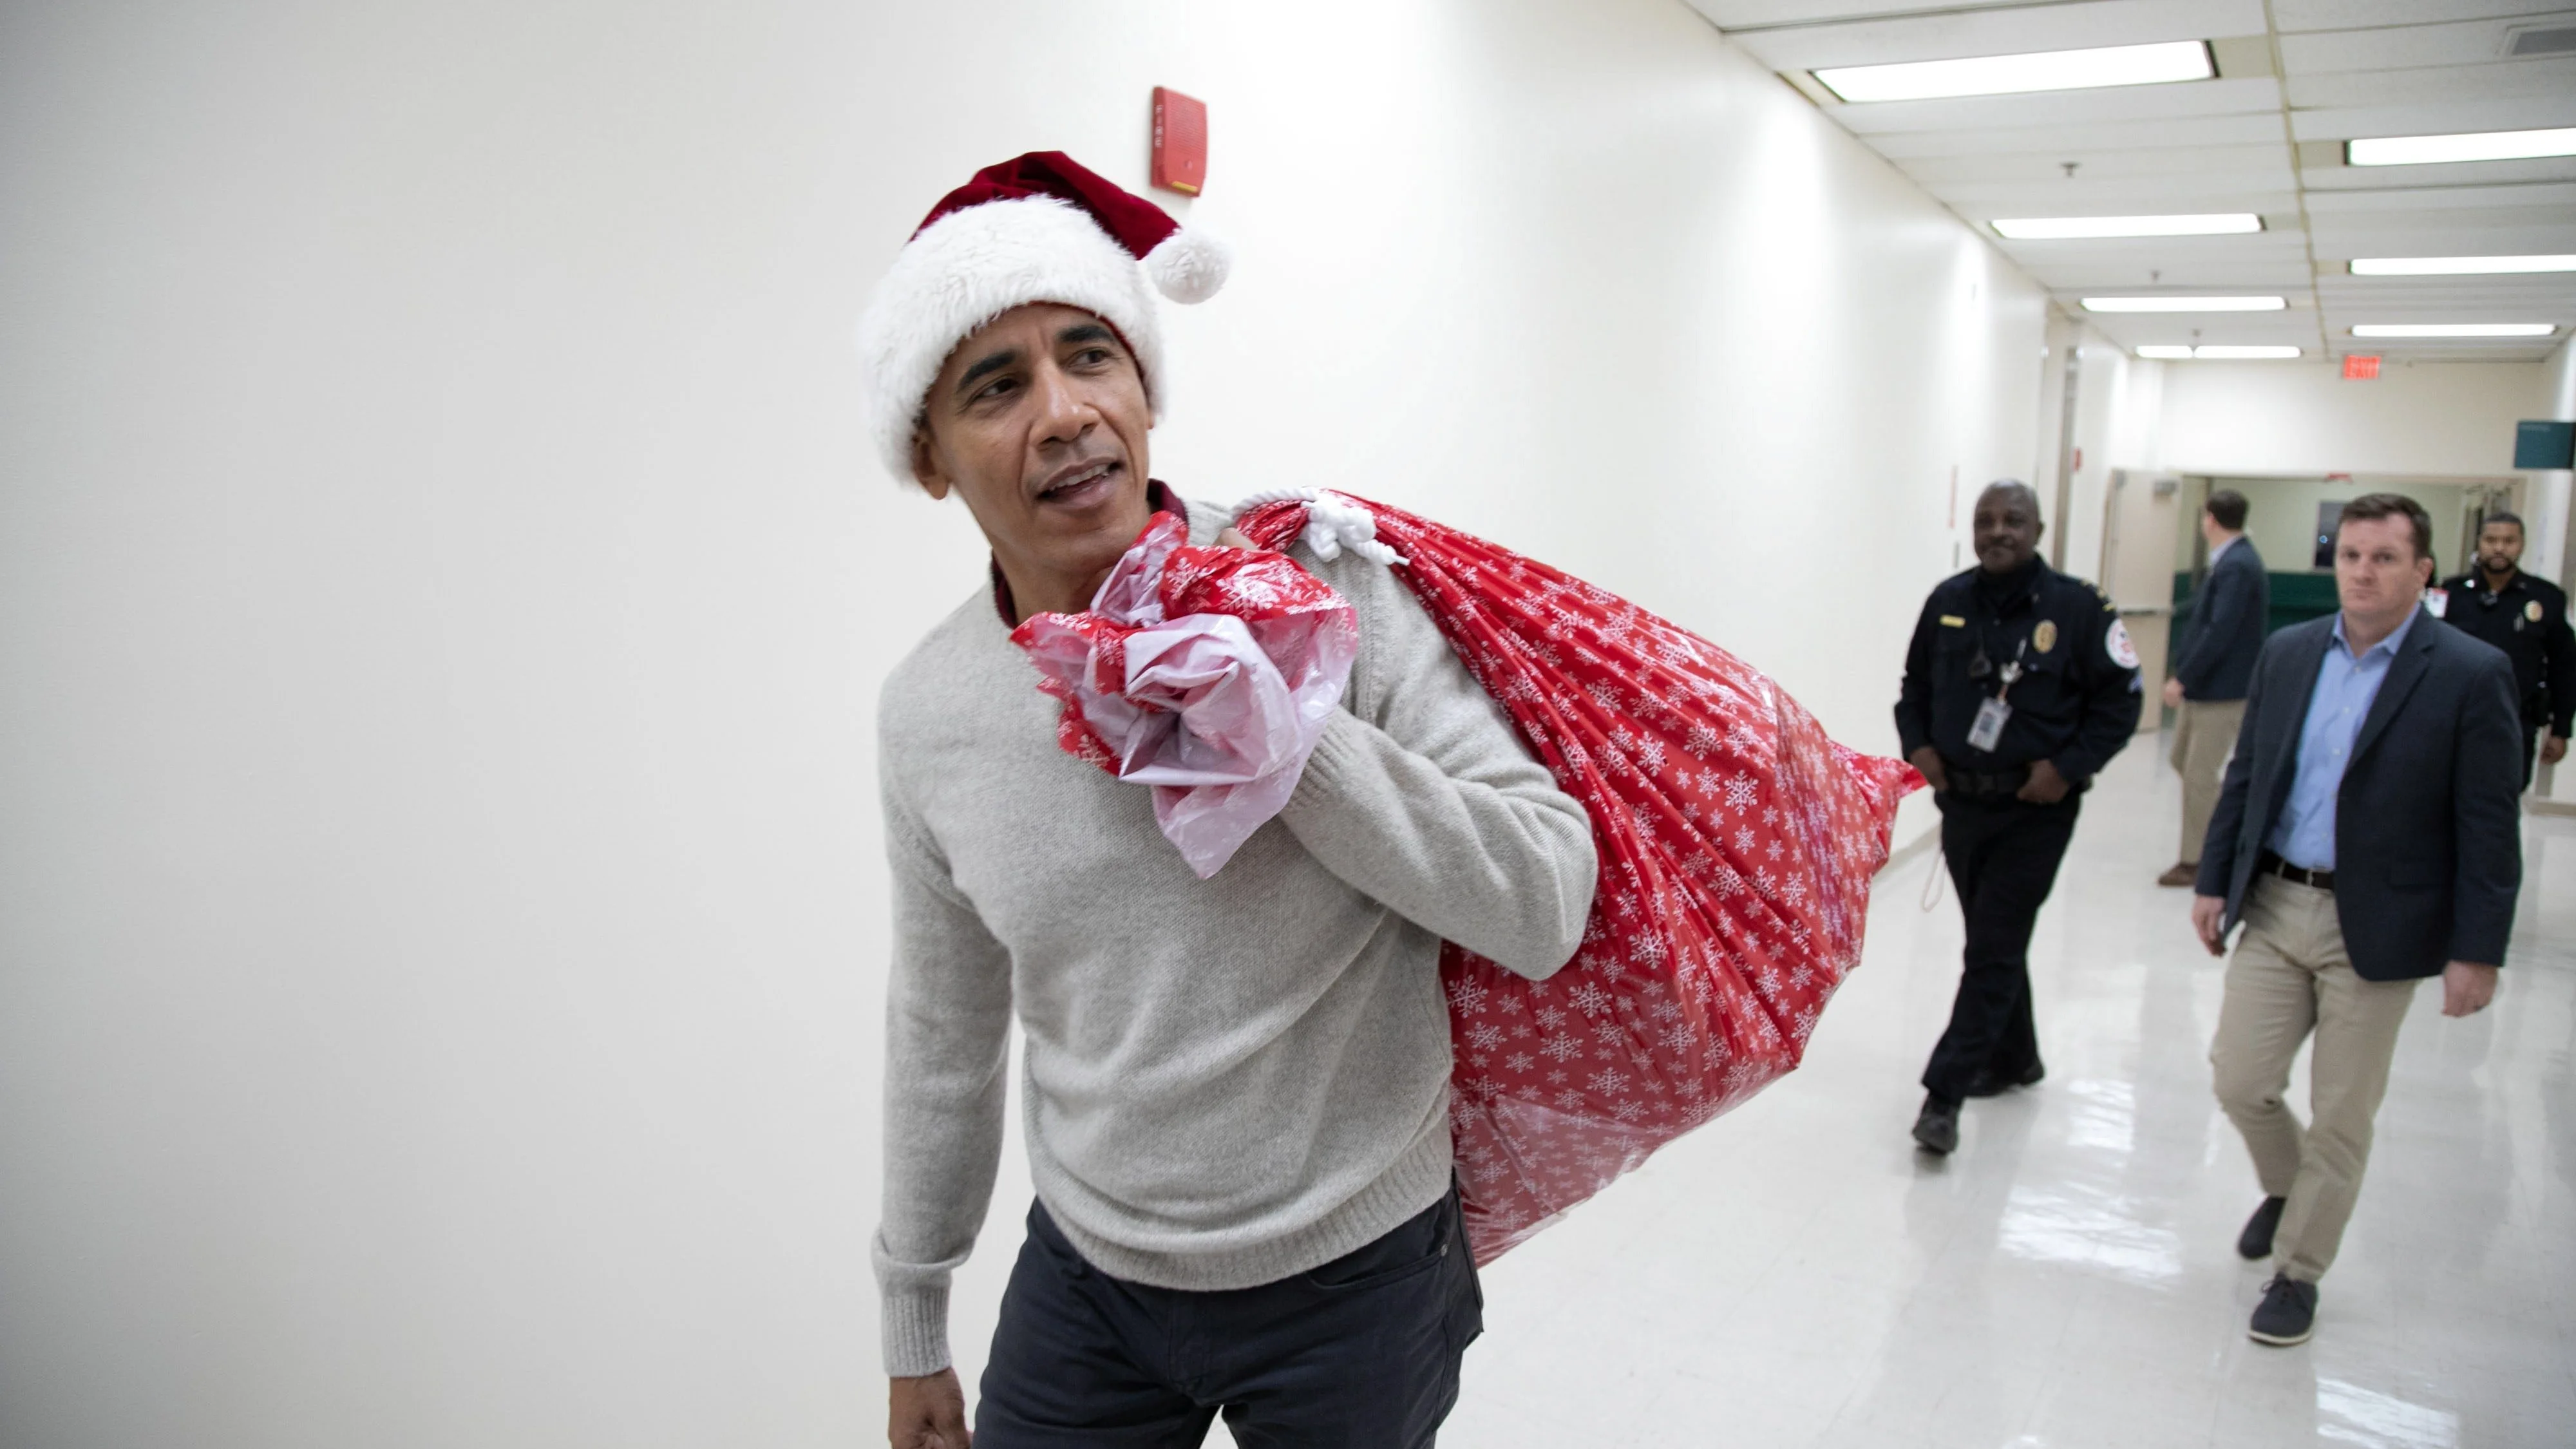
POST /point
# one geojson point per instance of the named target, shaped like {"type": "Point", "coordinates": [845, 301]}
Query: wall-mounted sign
{"type": "Point", "coordinates": [2360, 368]}
{"type": "Point", "coordinates": [2544, 445]}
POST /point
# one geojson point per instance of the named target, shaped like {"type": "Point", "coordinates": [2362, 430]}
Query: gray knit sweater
{"type": "Point", "coordinates": [1225, 1081]}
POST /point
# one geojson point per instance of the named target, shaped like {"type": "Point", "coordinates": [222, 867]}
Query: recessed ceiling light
{"type": "Point", "coordinates": [2165, 353]}
{"type": "Point", "coordinates": [2454, 329]}
{"type": "Point", "coordinates": [2004, 75]}
{"type": "Point", "coordinates": [2184, 304]}
{"type": "Point", "coordinates": [2470, 146]}
{"type": "Point", "coordinates": [2061, 228]}
{"type": "Point", "coordinates": [2457, 266]}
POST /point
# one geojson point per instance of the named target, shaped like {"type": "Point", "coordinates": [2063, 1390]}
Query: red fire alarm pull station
{"type": "Point", "coordinates": [2357, 368]}
{"type": "Point", "coordinates": [1180, 141]}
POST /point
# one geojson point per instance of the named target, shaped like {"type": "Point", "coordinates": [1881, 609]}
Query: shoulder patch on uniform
{"type": "Point", "coordinates": [2115, 642]}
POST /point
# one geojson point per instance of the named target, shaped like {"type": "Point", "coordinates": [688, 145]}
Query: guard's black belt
{"type": "Point", "coordinates": [2270, 864]}
{"type": "Point", "coordinates": [1974, 786]}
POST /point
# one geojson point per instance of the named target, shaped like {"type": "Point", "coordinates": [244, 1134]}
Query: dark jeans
{"type": "Point", "coordinates": [1362, 1351]}
{"type": "Point", "coordinates": [2003, 856]}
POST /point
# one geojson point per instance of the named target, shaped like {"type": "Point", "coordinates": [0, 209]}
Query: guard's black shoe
{"type": "Point", "coordinates": [2287, 1314]}
{"type": "Point", "coordinates": [1937, 1129]}
{"type": "Point", "coordinates": [2255, 1243]}
{"type": "Point", "coordinates": [1987, 1084]}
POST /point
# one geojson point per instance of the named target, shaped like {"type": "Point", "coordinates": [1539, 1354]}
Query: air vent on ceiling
{"type": "Point", "coordinates": [2557, 40]}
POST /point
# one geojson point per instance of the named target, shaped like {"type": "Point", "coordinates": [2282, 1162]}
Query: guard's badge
{"type": "Point", "coordinates": [2115, 642]}
{"type": "Point", "coordinates": [2531, 611]}
{"type": "Point", "coordinates": [2044, 638]}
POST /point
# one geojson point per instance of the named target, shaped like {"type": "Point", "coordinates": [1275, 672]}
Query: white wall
{"type": "Point", "coordinates": [443, 592]}
{"type": "Point", "coordinates": [2302, 417]}
{"type": "Point", "coordinates": [2548, 509]}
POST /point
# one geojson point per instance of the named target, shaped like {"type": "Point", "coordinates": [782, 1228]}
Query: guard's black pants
{"type": "Point", "coordinates": [1362, 1351]}
{"type": "Point", "coordinates": [2003, 856]}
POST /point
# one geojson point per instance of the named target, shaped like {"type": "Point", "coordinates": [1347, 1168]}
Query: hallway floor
{"type": "Point", "coordinates": [1797, 1275]}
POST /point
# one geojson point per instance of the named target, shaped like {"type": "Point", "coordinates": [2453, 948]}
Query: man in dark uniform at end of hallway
{"type": "Point", "coordinates": [2527, 619]}
{"type": "Point", "coordinates": [2019, 686]}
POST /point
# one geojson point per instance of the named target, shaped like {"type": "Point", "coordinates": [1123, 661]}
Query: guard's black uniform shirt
{"type": "Point", "coordinates": [2076, 702]}
{"type": "Point", "coordinates": [2527, 619]}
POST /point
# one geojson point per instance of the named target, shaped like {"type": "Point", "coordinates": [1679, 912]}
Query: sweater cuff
{"type": "Point", "coordinates": [915, 1330]}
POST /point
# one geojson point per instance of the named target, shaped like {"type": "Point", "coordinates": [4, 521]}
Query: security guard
{"type": "Point", "coordinates": [2527, 619]}
{"type": "Point", "coordinates": [2019, 686]}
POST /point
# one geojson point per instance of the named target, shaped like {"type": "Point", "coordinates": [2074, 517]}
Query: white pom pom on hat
{"type": "Point", "coordinates": [1037, 228]}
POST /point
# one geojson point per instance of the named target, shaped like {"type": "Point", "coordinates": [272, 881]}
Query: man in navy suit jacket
{"type": "Point", "coordinates": [2368, 837]}
{"type": "Point", "coordinates": [2213, 666]}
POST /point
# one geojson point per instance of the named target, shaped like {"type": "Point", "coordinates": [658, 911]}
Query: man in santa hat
{"type": "Point", "coordinates": [1235, 1090]}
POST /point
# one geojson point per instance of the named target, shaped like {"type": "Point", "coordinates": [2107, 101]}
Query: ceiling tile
{"type": "Point", "coordinates": [2261, 95]}
{"type": "Point", "coordinates": [2434, 201]}
{"type": "Point", "coordinates": [2134, 196]}
{"type": "Point", "coordinates": [2403, 47]}
{"type": "Point", "coordinates": [2258, 127]}
{"type": "Point", "coordinates": [2553, 293]}
{"type": "Point", "coordinates": [1734, 14]}
{"type": "Point", "coordinates": [2359, 14]}
{"type": "Point", "coordinates": [2217, 275]}
{"type": "Point", "coordinates": [2511, 113]}
{"type": "Point", "coordinates": [2322, 179]}
{"type": "Point", "coordinates": [2442, 84]}
{"type": "Point", "coordinates": [2342, 238]}
{"type": "Point", "coordinates": [2047, 166]}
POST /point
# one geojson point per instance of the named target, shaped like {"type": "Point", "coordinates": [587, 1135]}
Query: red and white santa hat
{"type": "Point", "coordinates": [1038, 228]}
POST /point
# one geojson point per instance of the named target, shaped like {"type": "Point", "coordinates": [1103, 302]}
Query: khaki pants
{"type": "Point", "coordinates": [2290, 977]}
{"type": "Point", "coordinates": [2204, 733]}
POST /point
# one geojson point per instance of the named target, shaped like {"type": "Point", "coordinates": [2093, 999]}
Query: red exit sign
{"type": "Point", "coordinates": [2357, 368]}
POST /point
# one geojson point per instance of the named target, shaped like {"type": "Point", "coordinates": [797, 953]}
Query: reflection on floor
{"type": "Point", "coordinates": [1795, 1275]}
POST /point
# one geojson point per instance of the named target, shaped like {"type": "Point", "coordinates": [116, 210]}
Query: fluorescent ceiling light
{"type": "Point", "coordinates": [2003, 75]}
{"type": "Point", "coordinates": [2453, 329]}
{"type": "Point", "coordinates": [2214, 353]}
{"type": "Point", "coordinates": [2472, 146]}
{"type": "Point", "coordinates": [2061, 228]}
{"type": "Point", "coordinates": [2184, 304]}
{"type": "Point", "coordinates": [2457, 266]}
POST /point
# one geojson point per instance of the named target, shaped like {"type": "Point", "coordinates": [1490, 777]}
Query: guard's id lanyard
{"type": "Point", "coordinates": [1991, 715]}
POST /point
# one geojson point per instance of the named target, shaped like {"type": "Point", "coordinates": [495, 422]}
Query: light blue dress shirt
{"type": "Point", "coordinates": [2305, 834]}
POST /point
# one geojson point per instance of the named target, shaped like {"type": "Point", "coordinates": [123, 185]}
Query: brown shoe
{"type": "Point", "coordinates": [2181, 875]}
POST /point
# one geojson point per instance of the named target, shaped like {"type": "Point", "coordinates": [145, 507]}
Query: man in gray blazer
{"type": "Point", "coordinates": [2213, 665]}
{"type": "Point", "coordinates": [2368, 837]}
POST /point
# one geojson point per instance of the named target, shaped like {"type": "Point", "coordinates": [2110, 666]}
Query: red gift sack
{"type": "Point", "coordinates": [1737, 842]}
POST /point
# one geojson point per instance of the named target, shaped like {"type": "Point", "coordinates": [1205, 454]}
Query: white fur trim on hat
{"type": "Point", "coordinates": [970, 267]}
